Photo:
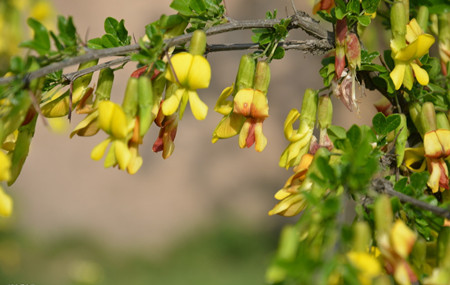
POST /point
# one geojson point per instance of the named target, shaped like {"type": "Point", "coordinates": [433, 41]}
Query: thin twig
{"type": "Point", "coordinates": [300, 20]}
{"type": "Point", "coordinates": [384, 186]}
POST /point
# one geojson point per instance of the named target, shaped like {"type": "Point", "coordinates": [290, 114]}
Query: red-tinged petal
{"type": "Point", "coordinates": [260, 139]}
{"type": "Point", "coordinates": [243, 101]}
{"type": "Point", "coordinates": [353, 50]}
{"type": "Point", "coordinates": [260, 107]}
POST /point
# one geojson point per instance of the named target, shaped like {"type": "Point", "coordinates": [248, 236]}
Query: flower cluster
{"type": "Point", "coordinates": [245, 114]}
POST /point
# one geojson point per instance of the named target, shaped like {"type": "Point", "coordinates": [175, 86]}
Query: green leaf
{"type": "Point", "coordinates": [401, 185]}
{"type": "Point", "coordinates": [353, 6]}
{"type": "Point", "coordinates": [198, 6]}
{"type": "Point", "coordinates": [111, 25]}
{"type": "Point", "coordinates": [364, 20]}
{"type": "Point", "coordinates": [182, 6]}
{"type": "Point", "coordinates": [96, 43]}
{"type": "Point", "coordinates": [336, 132]}
{"type": "Point", "coordinates": [368, 56]}
{"type": "Point", "coordinates": [122, 33]}
{"type": "Point", "coordinates": [370, 6]}
{"type": "Point", "coordinates": [109, 41]}
{"type": "Point", "coordinates": [279, 53]}
{"type": "Point", "coordinates": [41, 38]}
{"type": "Point", "coordinates": [383, 125]}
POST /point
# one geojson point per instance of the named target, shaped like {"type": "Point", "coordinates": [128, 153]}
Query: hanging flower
{"type": "Point", "coordinates": [406, 58]}
{"type": "Point", "coordinates": [190, 71]}
{"type": "Point", "coordinates": [291, 198]}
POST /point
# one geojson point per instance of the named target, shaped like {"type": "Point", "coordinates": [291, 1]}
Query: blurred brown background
{"type": "Point", "coordinates": [61, 190]}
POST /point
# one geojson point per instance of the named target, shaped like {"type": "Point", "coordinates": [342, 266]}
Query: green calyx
{"type": "Point", "coordinates": [198, 43]}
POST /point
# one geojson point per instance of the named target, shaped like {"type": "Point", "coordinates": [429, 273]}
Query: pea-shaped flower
{"type": "Point", "coordinates": [190, 71]}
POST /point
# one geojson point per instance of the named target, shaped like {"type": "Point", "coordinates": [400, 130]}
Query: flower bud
{"type": "Point", "coordinates": [442, 121]}
{"type": "Point", "coordinates": [401, 133]}
{"type": "Point", "coordinates": [246, 73]}
{"type": "Point", "coordinates": [262, 77]}
{"type": "Point", "coordinates": [130, 100]}
{"type": "Point", "coordinates": [325, 112]}
{"type": "Point", "coordinates": [422, 17]}
{"type": "Point", "coordinates": [428, 117]}
{"type": "Point", "coordinates": [362, 237]}
{"type": "Point", "coordinates": [443, 248]}
{"type": "Point", "coordinates": [309, 107]}
{"type": "Point", "coordinates": [104, 85]}
{"type": "Point", "coordinates": [146, 101]}
{"type": "Point", "coordinates": [414, 112]}
{"type": "Point", "coordinates": [398, 24]}
{"type": "Point", "coordinates": [383, 215]}
{"type": "Point", "coordinates": [353, 51]}
{"type": "Point", "coordinates": [198, 43]}
{"type": "Point", "coordinates": [80, 85]}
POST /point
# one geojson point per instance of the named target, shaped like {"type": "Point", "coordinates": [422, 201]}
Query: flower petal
{"type": "Point", "coordinates": [6, 204]}
{"type": "Point", "coordinates": [223, 106]}
{"type": "Point", "coordinates": [5, 165]}
{"type": "Point", "coordinates": [229, 126]}
{"type": "Point", "coordinates": [424, 42]}
{"type": "Point", "coordinates": [181, 63]}
{"type": "Point", "coordinates": [170, 104]}
{"type": "Point", "coordinates": [260, 139]}
{"type": "Point", "coordinates": [420, 74]}
{"type": "Point", "coordinates": [199, 73]}
{"type": "Point", "coordinates": [414, 159]}
{"type": "Point", "coordinates": [243, 101]}
{"type": "Point", "coordinates": [123, 154]}
{"type": "Point", "coordinates": [105, 113]}
{"type": "Point", "coordinates": [99, 150]}
{"type": "Point", "coordinates": [259, 106]}
{"type": "Point", "coordinates": [413, 30]}
{"type": "Point", "coordinates": [119, 123]}
{"type": "Point", "coordinates": [398, 74]}
{"type": "Point", "coordinates": [198, 107]}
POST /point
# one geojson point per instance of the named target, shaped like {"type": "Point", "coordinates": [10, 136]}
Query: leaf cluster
{"type": "Point", "coordinates": [268, 38]}
{"type": "Point", "coordinates": [116, 35]}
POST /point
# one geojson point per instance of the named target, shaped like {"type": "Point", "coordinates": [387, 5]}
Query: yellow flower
{"type": "Point", "coordinates": [395, 247]}
{"type": "Point", "coordinates": [299, 140]}
{"type": "Point", "coordinates": [190, 72]}
{"type": "Point", "coordinates": [432, 154]}
{"type": "Point", "coordinates": [5, 164]}
{"type": "Point", "coordinates": [367, 264]}
{"type": "Point", "coordinates": [291, 198]}
{"type": "Point", "coordinates": [123, 149]}
{"type": "Point", "coordinates": [6, 204]}
{"type": "Point", "coordinates": [244, 116]}
{"type": "Point", "coordinates": [406, 58]}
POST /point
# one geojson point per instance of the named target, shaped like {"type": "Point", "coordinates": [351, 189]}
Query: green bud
{"type": "Point", "coordinates": [414, 112]}
{"type": "Point", "coordinates": [398, 24]}
{"type": "Point", "coordinates": [130, 100]}
{"type": "Point", "coordinates": [246, 73]}
{"type": "Point", "coordinates": [428, 117]}
{"type": "Point", "coordinates": [383, 215]}
{"type": "Point", "coordinates": [146, 102]}
{"type": "Point", "coordinates": [362, 237]}
{"type": "Point", "coordinates": [419, 254]}
{"type": "Point", "coordinates": [80, 84]}
{"type": "Point", "coordinates": [104, 85]}
{"type": "Point", "coordinates": [325, 112]}
{"type": "Point", "coordinates": [442, 121]}
{"type": "Point", "coordinates": [443, 248]}
{"type": "Point", "coordinates": [401, 133]}
{"type": "Point", "coordinates": [422, 17]}
{"type": "Point", "coordinates": [287, 248]}
{"type": "Point", "coordinates": [262, 77]}
{"type": "Point", "coordinates": [198, 43]}
{"type": "Point", "coordinates": [309, 107]}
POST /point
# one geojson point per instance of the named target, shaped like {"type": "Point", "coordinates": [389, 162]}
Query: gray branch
{"type": "Point", "coordinates": [300, 20]}
{"type": "Point", "coordinates": [384, 186]}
